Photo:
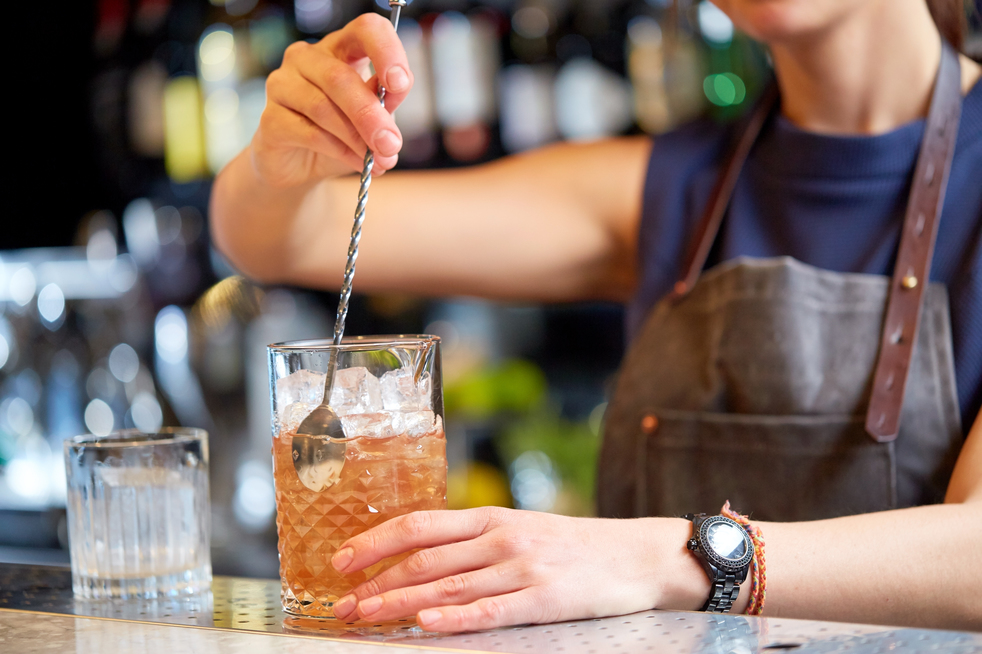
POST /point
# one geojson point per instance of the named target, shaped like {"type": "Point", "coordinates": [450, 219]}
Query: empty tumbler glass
{"type": "Point", "coordinates": [139, 514]}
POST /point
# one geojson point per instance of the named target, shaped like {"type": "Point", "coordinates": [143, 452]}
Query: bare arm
{"type": "Point", "coordinates": [491, 567]}
{"type": "Point", "coordinates": [915, 566]}
{"type": "Point", "coordinates": [557, 224]}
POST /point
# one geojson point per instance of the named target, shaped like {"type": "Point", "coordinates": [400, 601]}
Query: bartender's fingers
{"type": "Point", "coordinates": [288, 148]}
{"type": "Point", "coordinates": [288, 141]}
{"type": "Point", "coordinates": [528, 606]}
{"type": "Point", "coordinates": [426, 565]}
{"type": "Point", "coordinates": [346, 89]}
{"type": "Point", "coordinates": [299, 139]}
{"type": "Point", "coordinates": [413, 530]}
{"type": "Point", "coordinates": [371, 36]}
{"type": "Point", "coordinates": [290, 89]}
{"type": "Point", "coordinates": [449, 591]}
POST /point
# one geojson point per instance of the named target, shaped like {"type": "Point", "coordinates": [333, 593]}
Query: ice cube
{"type": "Point", "coordinates": [399, 392]}
{"type": "Point", "coordinates": [356, 391]}
{"type": "Point", "coordinates": [368, 425]}
{"type": "Point", "coordinates": [293, 414]}
{"type": "Point", "coordinates": [414, 423]}
{"type": "Point", "coordinates": [320, 476]}
{"type": "Point", "coordinates": [425, 388]}
{"type": "Point", "coordinates": [306, 386]}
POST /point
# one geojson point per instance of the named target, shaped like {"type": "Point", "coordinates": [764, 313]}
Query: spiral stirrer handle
{"type": "Point", "coordinates": [366, 181]}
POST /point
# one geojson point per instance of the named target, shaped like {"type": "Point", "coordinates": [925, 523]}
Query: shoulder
{"type": "Point", "coordinates": [684, 156]}
{"type": "Point", "coordinates": [698, 140]}
{"type": "Point", "coordinates": [970, 126]}
{"type": "Point", "coordinates": [963, 200]}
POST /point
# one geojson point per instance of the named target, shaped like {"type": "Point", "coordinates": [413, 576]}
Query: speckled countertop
{"type": "Point", "coordinates": [39, 614]}
{"type": "Point", "coordinates": [24, 633]}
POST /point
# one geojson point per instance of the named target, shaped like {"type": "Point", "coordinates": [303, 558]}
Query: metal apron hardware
{"type": "Point", "coordinates": [762, 381]}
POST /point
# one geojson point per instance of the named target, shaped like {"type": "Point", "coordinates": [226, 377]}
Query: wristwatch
{"type": "Point", "coordinates": [725, 551]}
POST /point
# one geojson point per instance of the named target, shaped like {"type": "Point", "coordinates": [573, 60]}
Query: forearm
{"type": "Point", "coordinates": [915, 566]}
{"type": "Point", "coordinates": [253, 223]}
{"type": "Point", "coordinates": [911, 567]}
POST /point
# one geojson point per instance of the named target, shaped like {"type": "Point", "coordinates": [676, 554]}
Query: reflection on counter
{"type": "Point", "coordinates": [246, 616]}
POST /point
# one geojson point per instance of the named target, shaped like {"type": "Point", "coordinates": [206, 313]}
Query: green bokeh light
{"type": "Point", "coordinates": [725, 89]}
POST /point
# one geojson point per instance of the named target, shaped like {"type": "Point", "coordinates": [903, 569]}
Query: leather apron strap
{"type": "Point", "coordinates": [712, 217]}
{"type": "Point", "coordinates": [911, 272]}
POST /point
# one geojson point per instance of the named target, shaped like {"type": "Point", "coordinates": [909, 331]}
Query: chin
{"type": "Point", "coordinates": [773, 21]}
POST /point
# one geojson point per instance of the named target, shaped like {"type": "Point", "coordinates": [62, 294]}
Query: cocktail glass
{"type": "Point", "coordinates": [388, 394]}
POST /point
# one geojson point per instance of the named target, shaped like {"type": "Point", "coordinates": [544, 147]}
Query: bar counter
{"type": "Point", "coordinates": [39, 614]}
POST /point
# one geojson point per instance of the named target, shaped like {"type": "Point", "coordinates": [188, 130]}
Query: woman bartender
{"type": "Point", "coordinates": [822, 372]}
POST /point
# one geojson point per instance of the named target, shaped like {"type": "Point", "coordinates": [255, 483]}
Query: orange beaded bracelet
{"type": "Point", "coordinates": [758, 571]}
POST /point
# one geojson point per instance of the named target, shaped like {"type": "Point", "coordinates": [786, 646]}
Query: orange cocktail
{"type": "Point", "coordinates": [394, 459]}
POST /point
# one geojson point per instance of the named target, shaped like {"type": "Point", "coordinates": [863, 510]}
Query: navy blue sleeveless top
{"type": "Point", "coordinates": [833, 202]}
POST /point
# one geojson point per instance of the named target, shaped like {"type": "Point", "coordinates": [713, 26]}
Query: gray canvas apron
{"type": "Point", "coordinates": [796, 393]}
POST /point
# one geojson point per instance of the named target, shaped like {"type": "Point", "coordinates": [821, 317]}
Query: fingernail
{"type": "Point", "coordinates": [342, 559]}
{"type": "Point", "coordinates": [344, 606]}
{"type": "Point", "coordinates": [428, 616]}
{"type": "Point", "coordinates": [397, 79]}
{"type": "Point", "coordinates": [386, 143]}
{"type": "Point", "coordinates": [370, 605]}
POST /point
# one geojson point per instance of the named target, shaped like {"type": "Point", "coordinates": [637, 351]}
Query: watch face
{"type": "Point", "coordinates": [727, 540]}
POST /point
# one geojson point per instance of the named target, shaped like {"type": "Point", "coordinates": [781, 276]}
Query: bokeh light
{"type": "Point", "coordinates": [23, 284]}
{"type": "Point", "coordinates": [99, 418]}
{"type": "Point", "coordinates": [313, 16]}
{"type": "Point", "coordinates": [171, 334]}
{"type": "Point", "coordinates": [716, 27]}
{"type": "Point", "coordinates": [146, 413]}
{"type": "Point", "coordinates": [51, 303]}
{"type": "Point", "coordinates": [216, 53]}
{"type": "Point", "coordinates": [124, 363]}
{"type": "Point", "coordinates": [725, 89]}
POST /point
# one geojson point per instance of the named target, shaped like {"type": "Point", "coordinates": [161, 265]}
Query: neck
{"type": "Point", "coordinates": [841, 81]}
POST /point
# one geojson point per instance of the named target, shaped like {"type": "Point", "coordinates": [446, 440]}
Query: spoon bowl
{"type": "Point", "coordinates": [318, 444]}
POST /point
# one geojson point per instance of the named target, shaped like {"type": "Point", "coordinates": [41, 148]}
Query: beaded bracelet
{"type": "Point", "coordinates": [758, 570]}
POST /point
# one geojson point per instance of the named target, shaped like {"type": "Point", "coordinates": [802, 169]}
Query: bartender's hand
{"type": "Point", "coordinates": [322, 108]}
{"type": "Point", "coordinates": [490, 567]}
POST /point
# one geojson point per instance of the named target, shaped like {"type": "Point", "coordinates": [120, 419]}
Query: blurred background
{"type": "Point", "coordinates": [116, 312]}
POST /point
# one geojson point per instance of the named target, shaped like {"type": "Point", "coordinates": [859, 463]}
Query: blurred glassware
{"type": "Point", "coordinates": [465, 61]}
{"type": "Point", "coordinates": [145, 118]}
{"type": "Point", "coordinates": [138, 513]}
{"type": "Point", "coordinates": [416, 116]}
{"type": "Point", "coordinates": [73, 324]}
{"type": "Point", "coordinates": [184, 145]}
{"type": "Point", "coordinates": [591, 101]}
{"type": "Point", "coordinates": [219, 68]}
{"type": "Point", "coordinates": [646, 67]}
{"type": "Point", "coordinates": [527, 112]}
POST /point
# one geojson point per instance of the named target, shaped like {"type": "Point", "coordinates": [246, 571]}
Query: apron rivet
{"type": "Point", "coordinates": [909, 282]}
{"type": "Point", "coordinates": [919, 225]}
{"type": "Point", "coordinates": [649, 424]}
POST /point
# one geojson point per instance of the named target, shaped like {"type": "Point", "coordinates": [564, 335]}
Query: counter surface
{"type": "Point", "coordinates": [39, 614]}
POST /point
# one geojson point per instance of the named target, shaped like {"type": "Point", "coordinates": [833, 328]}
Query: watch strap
{"type": "Point", "coordinates": [723, 594]}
